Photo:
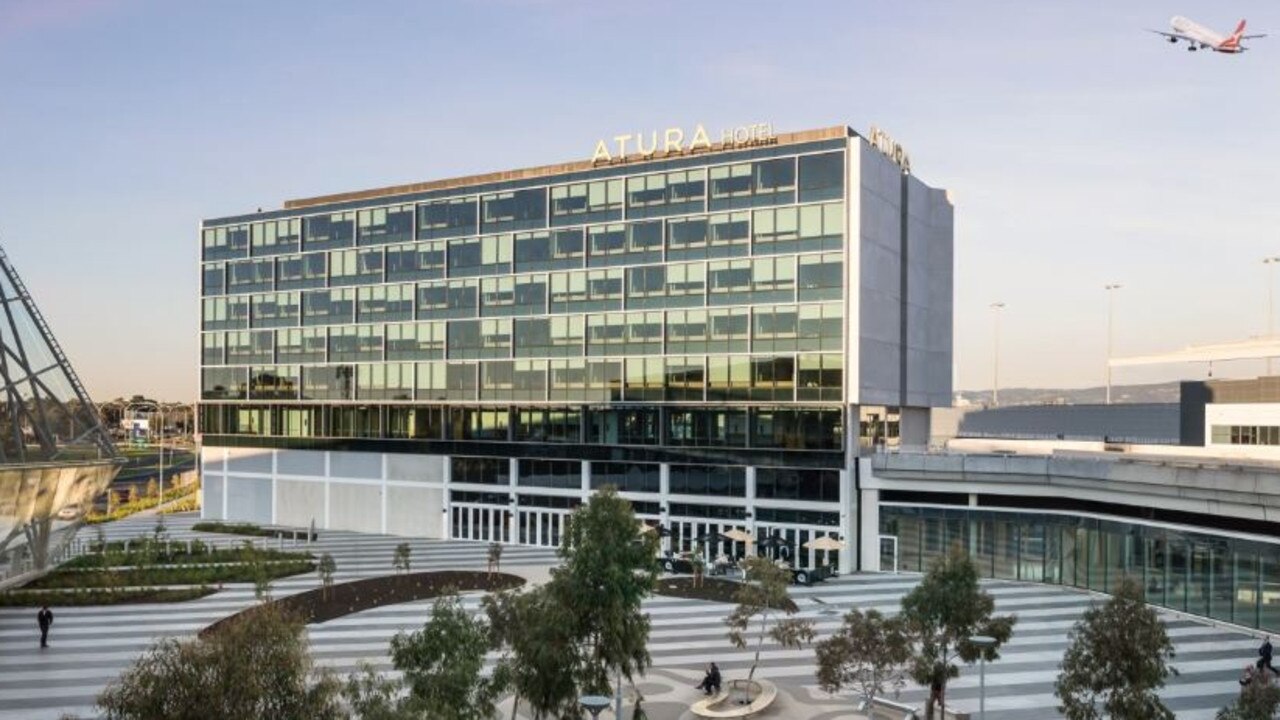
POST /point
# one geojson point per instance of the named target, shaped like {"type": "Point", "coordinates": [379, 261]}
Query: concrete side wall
{"type": "Point", "coordinates": [930, 291]}
{"type": "Point", "coordinates": [1136, 422]}
{"type": "Point", "coordinates": [879, 238]}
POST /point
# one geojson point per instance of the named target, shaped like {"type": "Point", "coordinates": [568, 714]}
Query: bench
{"type": "Point", "coordinates": [885, 709]}
{"type": "Point", "coordinates": [725, 704]}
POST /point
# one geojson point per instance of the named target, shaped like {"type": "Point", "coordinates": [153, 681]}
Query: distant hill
{"type": "Point", "coordinates": [1155, 393]}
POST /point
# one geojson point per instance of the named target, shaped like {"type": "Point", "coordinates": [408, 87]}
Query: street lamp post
{"type": "Point", "coordinates": [1111, 306]}
{"type": "Point", "coordinates": [984, 643]}
{"type": "Point", "coordinates": [996, 307]}
{"type": "Point", "coordinates": [1270, 264]}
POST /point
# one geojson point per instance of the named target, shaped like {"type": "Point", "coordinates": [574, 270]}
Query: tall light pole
{"type": "Point", "coordinates": [1111, 315]}
{"type": "Point", "coordinates": [996, 307]}
{"type": "Point", "coordinates": [1270, 264]}
{"type": "Point", "coordinates": [984, 643]}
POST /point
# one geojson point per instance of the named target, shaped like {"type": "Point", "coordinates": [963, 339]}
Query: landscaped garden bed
{"type": "Point", "coordinates": [101, 596]}
{"type": "Point", "coordinates": [214, 526]}
{"type": "Point", "coordinates": [322, 604]}
{"type": "Point", "coordinates": [148, 552]}
{"type": "Point", "coordinates": [170, 575]}
{"type": "Point", "coordinates": [710, 589]}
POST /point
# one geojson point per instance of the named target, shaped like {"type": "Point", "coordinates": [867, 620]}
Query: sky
{"type": "Point", "coordinates": [1080, 149]}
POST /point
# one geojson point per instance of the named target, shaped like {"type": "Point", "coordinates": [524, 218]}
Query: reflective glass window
{"type": "Point", "coordinates": [513, 295]}
{"type": "Point", "coordinates": [586, 202]}
{"type": "Point", "coordinates": [562, 474]}
{"type": "Point", "coordinates": [820, 377]}
{"type": "Point", "coordinates": [626, 477]}
{"type": "Point", "coordinates": [556, 336]}
{"type": "Point", "coordinates": [672, 193]}
{"type": "Point", "coordinates": [471, 339]}
{"type": "Point", "coordinates": [281, 309]}
{"type": "Point", "coordinates": [798, 229]}
{"type": "Point", "coordinates": [488, 255]}
{"type": "Point", "coordinates": [229, 383]}
{"type": "Point", "coordinates": [250, 276]}
{"type": "Point", "coordinates": [213, 278]}
{"type": "Point", "coordinates": [212, 348]}
{"type": "Point", "coordinates": [376, 226]}
{"type": "Point", "coordinates": [551, 425]}
{"type": "Point", "coordinates": [702, 331]}
{"type": "Point", "coordinates": [618, 244]}
{"type": "Point", "coordinates": [717, 480]}
{"type": "Point", "coordinates": [329, 232]}
{"type": "Point", "coordinates": [352, 267]}
{"type": "Point", "coordinates": [709, 236]}
{"type": "Point", "coordinates": [356, 343]}
{"type": "Point", "coordinates": [623, 426]}
{"type": "Point", "coordinates": [513, 380]}
{"type": "Point", "coordinates": [415, 341]}
{"type": "Point", "coordinates": [225, 243]}
{"type": "Point", "coordinates": [586, 290]}
{"type": "Point", "coordinates": [516, 210]}
{"type": "Point", "coordinates": [300, 272]}
{"type": "Point", "coordinates": [821, 177]}
{"type": "Point", "coordinates": [481, 424]}
{"type": "Point", "coordinates": [448, 218]}
{"type": "Point", "coordinates": [224, 313]}
{"type": "Point", "coordinates": [686, 379]}
{"type": "Point", "coordinates": [820, 277]}
{"type": "Point", "coordinates": [327, 382]}
{"type": "Point", "coordinates": [644, 379]}
{"type": "Point", "coordinates": [446, 381]}
{"type": "Point", "coordinates": [276, 236]}
{"type": "Point", "coordinates": [274, 382]}
{"type": "Point", "coordinates": [797, 428]}
{"type": "Point", "coordinates": [387, 303]}
{"type": "Point", "coordinates": [453, 299]}
{"type": "Point", "coordinates": [707, 427]}
{"type": "Point", "coordinates": [384, 381]}
{"type": "Point", "coordinates": [638, 333]}
{"type": "Point", "coordinates": [328, 307]}
{"type": "Point", "coordinates": [302, 345]}
{"type": "Point", "coordinates": [549, 250]}
{"type": "Point", "coordinates": [415, 261]}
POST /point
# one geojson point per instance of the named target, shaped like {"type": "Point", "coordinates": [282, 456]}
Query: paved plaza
{"type": "Point", "coordinates": [90, 646]}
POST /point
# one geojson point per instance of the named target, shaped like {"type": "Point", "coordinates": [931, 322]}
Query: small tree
{"type": "Point", "coordinates": [540, 653]}
{"type": "Point", "coordinates": [133, 494]}
{"type": "Point", "coordinates": [400, 561]}
{"type": "Point", "coordinates": [1258, 700]}
{"type": "Point", "coordinates": [326, 568]}
{"type": "Point", "coordinates": [153, 488]}
{"type": "Point", "coordinates": [1118, 657]}
{"type": "Point", "coordinates": [763, 594]}
{"type": "Point", "coordinates": [944, 612]}
{"type": "Point", "coordinates": [495, 557]}
{"type": "Point", "coordinates": [160, 533]}
{"type": "Point", "coordinates": [699, 563]}
{"type": "Point", "coordinates": [869, 653]}
{"type": "Point", "coordinates": [257, 666]}
{"type": "Point", "coordinates": [371, 696]}
{"type": "Point", "coordinates": [442, 665]}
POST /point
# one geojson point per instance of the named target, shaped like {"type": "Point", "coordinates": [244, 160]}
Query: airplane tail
{"type": "Point", "coordinates": [1232, 43]}
{"type": "Point", "coordinates": [1239, 31]}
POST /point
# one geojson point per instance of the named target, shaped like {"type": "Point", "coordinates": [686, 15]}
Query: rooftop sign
{"type": "Point", "coordinates": [890, 148]}
{"type": "Point", "coordinates": [673, 141]}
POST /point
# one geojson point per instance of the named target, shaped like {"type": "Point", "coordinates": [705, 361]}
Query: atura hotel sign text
{"type": "Point", "coordinates": [675, 141]}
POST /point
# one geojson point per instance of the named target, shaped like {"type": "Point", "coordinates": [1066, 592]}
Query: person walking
{"type": "Point", "coordinates": [1264, 652]}
{"type": "Point", "coordinates": [44, 619]}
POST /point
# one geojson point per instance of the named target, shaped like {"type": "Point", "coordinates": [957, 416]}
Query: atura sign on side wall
{"type": "Point", "coordinates": [892, 149]}
{"type": "Point", "coordinates": [674, 141]}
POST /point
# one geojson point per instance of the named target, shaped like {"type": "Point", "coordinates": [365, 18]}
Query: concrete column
{"type": "Point", "coordinates": [664, 500]}
{"type": "Point", "coordinates": [869, 511]}
{"type": "Point", "coordinates": [913, 428]}
{"type": "Point", "coordinates": [849, 504]}
{"type": "Point", "coordinates": [751, 505]}
{"type": "Point", "coordinates": [513, 522]}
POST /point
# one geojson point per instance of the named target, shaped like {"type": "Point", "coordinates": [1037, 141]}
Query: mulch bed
{"type": "Point", "coordinates": [73, 598]}
{"type": "Point", "coordinates": [712, 589]}
{"type": "Point", "coordinates": [317, 606]}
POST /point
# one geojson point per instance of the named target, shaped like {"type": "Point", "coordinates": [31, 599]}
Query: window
{"type": "Point", "coordinates": [714, 512]}
{"type": "Point", "coordinates": [773, 378]}
{"type": "Point", "coordinates": [702, 331]}
{"type": "Point", "coordinates": [797, 327]}
{"type": "Point", "coordinates": [415, 261]}
{"type": "Point", "coordinates": [820, 277]}
{"type": "Point", "coordinates": [821, 177]}
{"type": "Point", "coordinates": [328, 307]}
{"type": "Point", "coordinates": [567, 380]}
{"type": "Point", "coordinates": [480, 424]}
{"type": "Point", "coordinates": [645, 379]}
{"type": "Point", "coordinates": [488, 255]}
{"type": "Point", "coordinates": [624, 333]}
{"type": "Point", "coordinates": [415, 341]}
{"type": "Point", "coordinates": [706, 427]}
{"type": "Point", "coordinates": [820, 377]}
{"type": "Point", "coordinates": [557, 336]}
{"type": "Point", "coordinates": [300, 272]}
{"type": "Point", "coordinates": [673, 193]}
{"type": "Point", "coordinates": [746, 185]}
{"type": "Point", "coordinates": [274, 382]}
{"type": "Point", "coordinates": [224, 313]}
{"type": "Point", "coordinates": [518, 210]}
{"type": "Point", "coordinates": [213, 348]}
{"type": "Point", "coordinates": [454, 299]}
{"type": "Point", "coordinates": [798, 229]}
{"type": "Point", "coordinates": [672, 285]}
{"type": "Point", "coordinates": [352, 267]}
{"type": "Point", "coordinates": [250, 276]}
{"type": "Point", "coordinates": [387, 303]}
{"type": "Point", "coordinates": [551, 425]}
{"type": "Point", "coordinates": [446, 381]}
{"type": "Point", "coordinates": [276, 236]}
{"type": "Point", "coordinates": [282, 309]}
{"type": "Point", "coordinates": [586, 290]}
{"type": "Point", "coordinates": [390, 381]}
{"type": "Point", "coordinates": [246, 347]}
{"type": "Point", "coordinates": [480, 471]}
{"type": "Point", "coordinates": [302, 345]}
{"type": "Point", "coordinates": [821, 327]}
{"type": "Point", "coordinates": [807, 484]}
{"type": "Point", "coordinates": [329, 232]}
{"type": "Point", "coordinates": [766, 279]}
{"type": "Point", "coordinates": [626, 477]}
{"type": "Point", "coordinates": [623, 426]}
{"type": "Point", "coordinates": [447, 218]}
{"type": "Point", "coordinates": [513, 380]}
{"type": "Point", "coordinates": [627, 244]}
{"type": "Point", "coordinates": [225, 243]}
{"type": "Point", "coordinates": [327, 382]}
{"type": "Point", "coordinates": [213, 278]}
{"type": "Point", "coordinates": [728, 378]}
{"type": "Point", "coordinates": [356, 343]}
{"type": "Point", "coordinates": [685, 378]}
{"type": "Point", "coordinates": [549, 250]}
{"type": "Point", "coordinates": [709, 236]}
{"type": "Point", "coordinates": [513, 295]}
{"type": "Point", "coordinates": [715, 480]}
{"type": "Point", "coordinates": [224, 383]}
{"type": "Point", "coordinates": [562, 474]}
{"type": "Point", "coordinates": [797, 429]}
{"type": "Point", "coordinates": [376, 226]}
{"type": "Point", "coordinates": [586, 202]}
{"type": "Point", "coordinates": [471, 339]}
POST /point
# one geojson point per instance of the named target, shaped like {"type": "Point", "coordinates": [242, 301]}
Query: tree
{"type": "Point", "coordinates": [540, 653]}
{"type": "Point", "coordinates": [607, 569]}
{"type": "Point", "coordinates": [699, 563]}
{"type": "Point", "coordinates": [495, 557]}
{"type": "Point", "coordinates": [371, 696]}
{"type": "Point", "coordinates": [1258, 700]}
{"type": "Point", "coordinates": [442, 665]}
{"type": "Point", "coordinates": [943, 612]}
{"type": "Point", "coordinates": [400, 561]}
{"type": "Point", "coordinates": [257, 666]}
{"type": "Point", "coordinates": [1118, 657]}
{"type": "Point", "coordinates": [153, 488]}
{"type": "Point", "coordinates": [326, 568]}
{"type": "Point", "coordinates": [133, 494]}
{"type": "Point", "coordinates": [869, 653]}
{"type": "Point", "coordinates": [764, 593]}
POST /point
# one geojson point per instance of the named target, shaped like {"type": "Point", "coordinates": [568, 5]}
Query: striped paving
{"type": "Point", "coordinates": [90, 646]}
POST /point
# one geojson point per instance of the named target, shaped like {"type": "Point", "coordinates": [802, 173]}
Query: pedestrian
{"type": "Point", "coordinates": [44, 619]}
{"type": "Point", "coordinates": [710, 684]}
{"type": "Point", "coordinates": [1264, 652]}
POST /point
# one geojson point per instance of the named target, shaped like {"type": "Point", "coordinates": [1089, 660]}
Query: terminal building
{"type": "Point", "coordinates": [719, 329]}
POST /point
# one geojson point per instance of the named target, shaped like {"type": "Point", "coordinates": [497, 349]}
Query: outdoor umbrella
{"type": "Point", "coordinates": [826, 542]}
{"type": "Point", "coordinates": [737, 535]}
{"type": "Point", "coordinates": [771, 541]}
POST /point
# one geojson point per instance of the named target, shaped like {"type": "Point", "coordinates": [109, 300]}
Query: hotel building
{"type": "Point", "coordinates": [718, 327]}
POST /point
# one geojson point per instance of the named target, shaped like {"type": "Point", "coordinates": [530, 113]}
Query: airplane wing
{"type": "Point", "coordinates": [1174, 36]}
{"type": "Point", "coordinates": [1251, 37]}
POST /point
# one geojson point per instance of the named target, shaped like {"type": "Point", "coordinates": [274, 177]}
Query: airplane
{"type": "Point", "coordinates": [1200, 37]}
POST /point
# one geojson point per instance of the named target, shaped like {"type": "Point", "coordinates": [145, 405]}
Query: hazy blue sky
{"type": "Point", "coordinates": [1080, 148]}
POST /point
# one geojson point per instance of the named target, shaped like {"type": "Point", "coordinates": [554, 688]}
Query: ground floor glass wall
{"type": "Point", "coordinates": [1226, 578]}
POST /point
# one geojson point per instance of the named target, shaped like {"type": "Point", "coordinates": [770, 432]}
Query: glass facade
{"type": "Point", "coordinates": [704, 305]}
{"type": "Point", "coordinates": [1226, 578]}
